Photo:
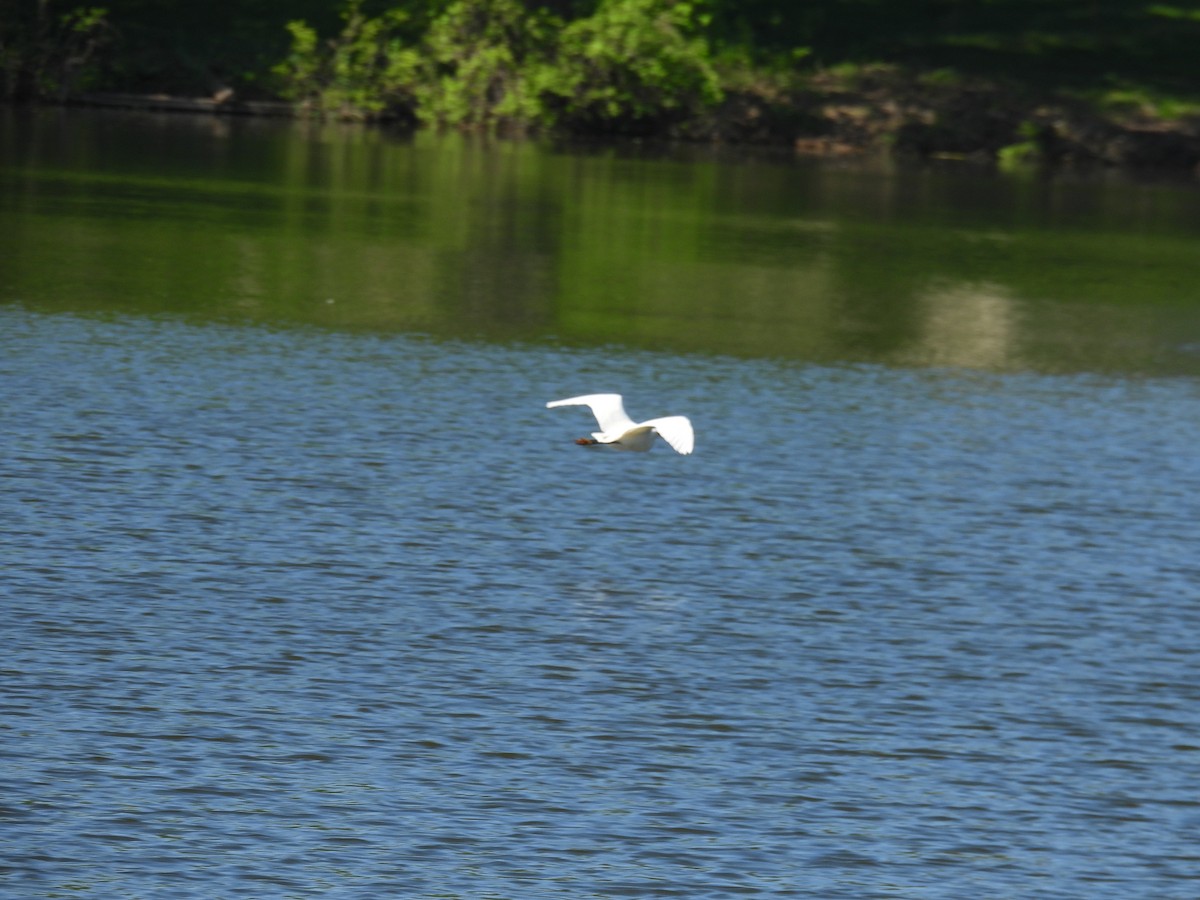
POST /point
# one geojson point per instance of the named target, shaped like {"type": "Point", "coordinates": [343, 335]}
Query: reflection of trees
{"type": "Point", "coordinates": [451, 236]}
{"type": "Point", "coordinates": [654, 258]}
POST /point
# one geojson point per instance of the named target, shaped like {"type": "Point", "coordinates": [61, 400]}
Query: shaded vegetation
{"type": "Point", "coordinates": [1100, 80]}
{"type": "Point", "coordinates": [635, 66]}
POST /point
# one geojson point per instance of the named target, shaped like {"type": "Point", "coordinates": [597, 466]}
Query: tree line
{"type": "Point", "coordinates": [650, 67]}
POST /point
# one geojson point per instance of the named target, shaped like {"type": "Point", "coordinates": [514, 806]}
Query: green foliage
{"type": "Point", "coordinates": [644, 67]}
{"type": "Point", "coordinates": [1174, 12]}
{"type": "Point", "coordinates": [1019, 156]}
{"type": "Point", "coordinates": [1134, 101]}
{"type": "Point", "coordinates": [302, 73]}
{"type": "Point", "coordinates": [635, 66]}
{"type": "Point", "coordinates": [654, 67]}
{"type": "Point", "coordinates": [366, 72]}
{"type": "Point", "coordinates": [942, 78]}
{"type": "Point", "coordinates": [485, 57]}
{"type": "Point", "coordinates": [48, 55]}
{"type": "Point", "coordinates": [471, 67]}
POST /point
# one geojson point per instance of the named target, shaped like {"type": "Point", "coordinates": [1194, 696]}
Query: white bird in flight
{"type": "Point", "coordinates": [619, 431]}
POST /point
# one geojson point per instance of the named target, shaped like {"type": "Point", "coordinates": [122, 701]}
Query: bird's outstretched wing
{"type": "Point", "coordinates": [607, 408]}
{"type": "Point", "coordinates": [676, 431]}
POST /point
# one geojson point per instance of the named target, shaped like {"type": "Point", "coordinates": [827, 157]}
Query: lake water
{"type": "Point", "coordinates": [305, 593]}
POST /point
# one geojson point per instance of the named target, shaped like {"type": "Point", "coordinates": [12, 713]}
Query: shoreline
{"type": "Point", "coordinates": [881, 113]}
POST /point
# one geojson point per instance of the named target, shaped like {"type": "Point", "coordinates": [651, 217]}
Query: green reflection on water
{"type": "Point", "coordinates": [358, 229]}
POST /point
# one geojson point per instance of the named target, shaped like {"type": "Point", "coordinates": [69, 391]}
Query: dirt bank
{"type": "Point", "coordinates": [889, 111]}
{"type": "Point", "coordinates": [883, 110]}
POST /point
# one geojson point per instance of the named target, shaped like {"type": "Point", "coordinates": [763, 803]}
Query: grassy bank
{"type": "Point", "coordinates": [1013, 81]}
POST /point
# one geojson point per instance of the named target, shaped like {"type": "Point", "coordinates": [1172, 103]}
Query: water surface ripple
{"type": "Point", "coordinates": [292, 613]}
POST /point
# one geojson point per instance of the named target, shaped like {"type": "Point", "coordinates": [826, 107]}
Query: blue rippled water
{"type": "Point", "coordinates": [293, 613]}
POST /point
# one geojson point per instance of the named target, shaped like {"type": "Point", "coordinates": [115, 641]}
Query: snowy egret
{"type": "Point", "coordinates": [619, 431]}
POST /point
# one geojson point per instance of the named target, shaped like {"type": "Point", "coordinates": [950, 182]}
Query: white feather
{"type": "Point", "coordinates": [622, 433]}
{"type": "Point", "coordinates": [676, 431]}
{"type": "Point", "coordinates": [607, 408]}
